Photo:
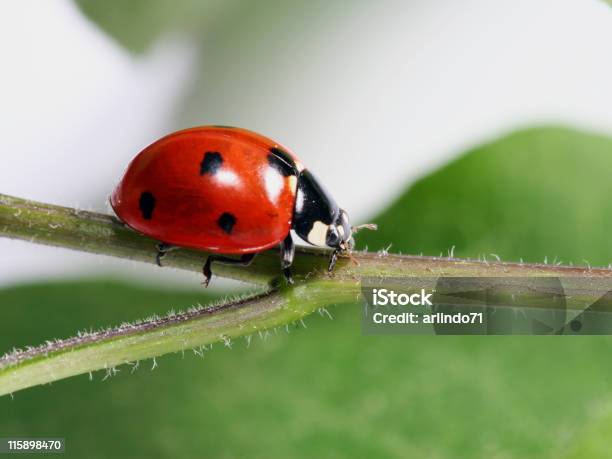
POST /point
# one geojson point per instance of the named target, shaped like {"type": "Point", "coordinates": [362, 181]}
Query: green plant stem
{"type": "Point", "coordinates": [131, 343]}
{"type": "Point", "coordinates": [314, 289]}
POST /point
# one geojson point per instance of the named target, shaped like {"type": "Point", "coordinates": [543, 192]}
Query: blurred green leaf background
{"type": "Point", "coordinates": [326, 390]}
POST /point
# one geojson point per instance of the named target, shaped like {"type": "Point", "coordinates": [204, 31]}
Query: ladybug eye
{"type": "Point", "coordinates": [333, 238]}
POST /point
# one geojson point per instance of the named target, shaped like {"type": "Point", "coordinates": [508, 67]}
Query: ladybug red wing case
{"type": "Point", "coordinates": [219, 189]}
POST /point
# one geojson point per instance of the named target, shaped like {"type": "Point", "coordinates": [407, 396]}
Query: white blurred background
{"type": "Point", "coordinates": [371, 95]}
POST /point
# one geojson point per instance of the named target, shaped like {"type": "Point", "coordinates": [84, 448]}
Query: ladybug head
{"type": "Point", "coordinates": [317, 218]}
{"type": "Point", "coordinates": [339, 234]}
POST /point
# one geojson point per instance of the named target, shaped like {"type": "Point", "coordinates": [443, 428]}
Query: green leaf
{"type": "Point", "coordinates": [536, 194]}
{"type": "Point", "coordinates": [591, 440]}
{"type": "Point", "coordinates": [328, 391]}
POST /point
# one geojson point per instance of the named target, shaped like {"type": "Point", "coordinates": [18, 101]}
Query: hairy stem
{"type": "Point", "coordinates": [314, 289]}
{"type": "Point", "coordinates": [131, 343]}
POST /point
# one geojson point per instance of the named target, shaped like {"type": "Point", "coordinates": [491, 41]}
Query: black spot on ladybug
{"type": "Point", "coordinates": [282, 162]}
{"type": "Point", "coordinates": [211, 163]}
{"type": "Point", "coordinates": [146, 204]}
{"type": "Point", "coordinates": [226, 222]}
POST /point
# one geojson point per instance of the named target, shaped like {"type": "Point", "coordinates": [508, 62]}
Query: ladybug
{"type": "Point", "coordinates": [228, 191]}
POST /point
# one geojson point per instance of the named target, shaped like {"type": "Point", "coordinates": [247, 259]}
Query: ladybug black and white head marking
{"type": "Point", "coordinates": [317, 218]}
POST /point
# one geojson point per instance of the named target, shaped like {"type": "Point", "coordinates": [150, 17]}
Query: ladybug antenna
{"type": "Point", "coordinates": [369, 226]}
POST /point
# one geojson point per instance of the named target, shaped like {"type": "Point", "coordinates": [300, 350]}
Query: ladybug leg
{"type": "Point", "coordinates": [163, 249]}
{"type": "Point", "coordinates": [244, 260]}
{"type": "Point", "coordinates": [332, 260]}
{"type": "Point", "coordinates": [287, 250]}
